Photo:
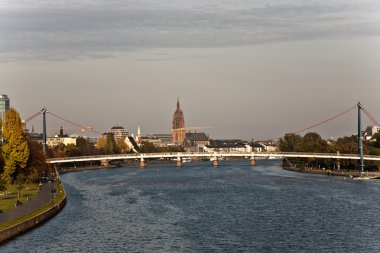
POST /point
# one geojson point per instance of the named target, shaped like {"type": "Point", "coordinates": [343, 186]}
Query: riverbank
{"type": "Point", "coordinates": [15, 227]}
{"type": "Point", "coordinates": [328, 172]}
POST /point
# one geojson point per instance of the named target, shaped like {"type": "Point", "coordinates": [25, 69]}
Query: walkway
{"type": "Point", "coordinates": [42, 198]}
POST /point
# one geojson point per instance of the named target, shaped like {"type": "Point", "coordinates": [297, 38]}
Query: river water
{"type": "Point", "coordinates": [200, 208]}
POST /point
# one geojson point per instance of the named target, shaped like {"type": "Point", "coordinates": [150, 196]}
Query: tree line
{"type": "Point", "coordinates": [314, 143]}
{"type": "Point", "coordinates": [21, 160]}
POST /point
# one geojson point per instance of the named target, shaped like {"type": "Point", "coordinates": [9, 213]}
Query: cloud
{"type": "Point", "coordinates": [59, 30]}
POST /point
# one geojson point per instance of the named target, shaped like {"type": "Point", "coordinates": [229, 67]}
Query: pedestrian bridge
{"type": "Point", "coordinates": [212, 156]}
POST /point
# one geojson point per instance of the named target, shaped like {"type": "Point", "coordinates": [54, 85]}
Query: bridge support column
{"type": "Point", "coordinates": [338, 161]}
{"type": "Point", "coordinates": [252, 161]}
{"type": "Point", "coordinates": [179, 162]}
{"type": "Point", "coordinates": [142, 163]}
{"type": "Point", "coordinates": [216, 161]}
{"type": "Point", "coordinates": [104, 163]}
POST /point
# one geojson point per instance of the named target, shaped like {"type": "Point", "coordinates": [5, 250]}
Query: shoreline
{"type": "Point", "coordinates": [42, 215]}
{"type": "Point", "coordinates": [340, 173]}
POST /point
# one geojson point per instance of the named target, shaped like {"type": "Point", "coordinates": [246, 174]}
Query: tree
{"type": "Point", "coordinates": [37, 162]}
{"type": "Point", "coordinates": [85, 147]}
{"type": "Point", "coordinates": [1, 144]}
{"type": "Point", "coordinates": [15, 146]}
{"type": "Point", "coordinates": [313, 142]}
{"type": "Point", "coordinates": [122, 146]}
{"type": "Point", "coordinates": [111, 147]}
{"type": "Point", "coordinates": [376, 139]}
{"type": "Point", "coordinates": [101, 145]}
{"type": "Point", "coordinates": [148, 147]}
{"type": "Point", "coordinates": [3, 185]}
{"type": "Point", "coordinates": [290, 142]}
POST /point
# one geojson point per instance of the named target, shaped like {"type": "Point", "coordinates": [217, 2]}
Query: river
{"type": "Point", "coordinates": [201, 208]}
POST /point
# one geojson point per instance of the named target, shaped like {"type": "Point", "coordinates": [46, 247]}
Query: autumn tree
{"type": "Point", "coordinates": [37, 162]}
{"type": "Point", "coordinates": [1, 144]}
{"type": "Point", "coordinates": [15, 150]}
{"type": "Point", "coordinates": [122, 146]}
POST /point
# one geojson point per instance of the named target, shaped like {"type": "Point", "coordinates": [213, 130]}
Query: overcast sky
{"type": "Point", "coordinates": [252, 69]}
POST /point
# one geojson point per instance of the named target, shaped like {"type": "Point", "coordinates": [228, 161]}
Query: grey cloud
{"type": "Point", "coordinates": [53, 30]}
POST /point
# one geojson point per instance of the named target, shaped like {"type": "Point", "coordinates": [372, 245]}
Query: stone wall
{"type": "Point", "coordinates": [35, 221]}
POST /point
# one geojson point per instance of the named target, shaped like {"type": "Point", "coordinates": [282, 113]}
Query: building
{"type": "Point", "coordinates": [229, 146]}
{"type": "Point", "coordinates": [178, 126]}
{"type": "Point", "coordinates": [197, 139]}
{"type": "Point", "coordinates": [371, 131]}
{"type": "Point", "coordinates": [55, 141]}
{"type": "Point", "coordinates": [4, 105]}
{"type": "Point", "coordinates": [119, 132]}
{"type": "Point", "coordinates": [161, 140]}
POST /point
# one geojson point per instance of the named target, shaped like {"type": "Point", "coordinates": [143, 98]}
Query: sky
{"type": "Point", "coordinates": [251, 69]}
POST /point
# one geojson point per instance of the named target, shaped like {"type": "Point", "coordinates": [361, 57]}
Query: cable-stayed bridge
{"type": "Point", "coordinates": [218, 156]}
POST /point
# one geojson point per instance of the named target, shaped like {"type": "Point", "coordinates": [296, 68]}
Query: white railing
{"type": "Point", "coordinates": [252, 155]}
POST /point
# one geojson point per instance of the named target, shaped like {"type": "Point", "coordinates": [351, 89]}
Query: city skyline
{"type": "Point", "coordinates": [251, 70]}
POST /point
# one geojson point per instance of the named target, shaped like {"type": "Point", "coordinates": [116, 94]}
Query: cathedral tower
{"type": "Point", "coordinates": [178, 129]}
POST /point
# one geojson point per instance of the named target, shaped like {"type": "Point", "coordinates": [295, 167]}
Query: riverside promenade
{"type": "Point", "coordinates": [44, 196]}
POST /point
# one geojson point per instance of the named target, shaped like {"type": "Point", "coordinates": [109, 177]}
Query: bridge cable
{"type": "Point", "coordinates": [370, 117]}
{"type": "Point", "coordinates": [324, 121]}
{"type": "Point", "coordinates": [75, 124]}
{"type": "Point", "coordinates": [33, 116]}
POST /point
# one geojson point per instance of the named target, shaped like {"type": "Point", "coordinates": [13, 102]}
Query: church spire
{"type": "Point", "coordinates": [178, 103]}
{"type": "Point", "coordinates": [138, 130]}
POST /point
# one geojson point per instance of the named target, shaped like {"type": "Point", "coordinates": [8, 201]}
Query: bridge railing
{"type": "Point", "coordinates": [211, 154]}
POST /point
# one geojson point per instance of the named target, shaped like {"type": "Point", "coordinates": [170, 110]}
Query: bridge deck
{"type": "Point", "coordinates": [253, 155]}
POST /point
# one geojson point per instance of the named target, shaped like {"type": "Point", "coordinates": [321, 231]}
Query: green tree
{"type": "Point", "coordinates": [111, 147]}
{"type": "Point", "coordinates": [376, 139]}
{"type": "Point", "coordinates": [15, 146]}
{"type": "Point", "coordinates": [313, 142]}
{"type": "Point", "coordinates": [290, 142]}
{"type": "Point", "coordinates": [85, 147]}
{"type": "Point", "coordinates": [148, 147]}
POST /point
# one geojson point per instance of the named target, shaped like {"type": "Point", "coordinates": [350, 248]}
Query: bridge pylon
{"type": "Point", "coordinates": [360, 139]}
{"type": "Point", "coordinates": [44, 144]}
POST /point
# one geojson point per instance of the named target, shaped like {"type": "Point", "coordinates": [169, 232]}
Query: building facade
{"type": "Point", "coordinates": [178, 126]}
{"type": "Point", "coordinates": [4, 105]}
{"type": "Point", "coordinates": [119, 132]}
{"type": "Point", "coordinates": [371, 131]}
{"type": "Point", "coordinates": [55, 141]}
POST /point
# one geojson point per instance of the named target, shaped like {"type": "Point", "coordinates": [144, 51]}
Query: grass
{"type": "Point", "coordinates": [8, 202]}
{"type": "Point", "coordinates": [58, 197]}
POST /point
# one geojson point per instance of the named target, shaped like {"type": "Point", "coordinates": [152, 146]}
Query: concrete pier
{"type": "Point", "coordinates": [216, 161]}
{"type": "Point", "coordinates": [142, 163]}
{"type": "Point", "coordinates": [104, 163]}
{"type": "Point", "coordinates": [338, 161]}
{"type": "Point", "coordinates": [252, 162]}
{"type": "Point", "coordinates": [179, 162]}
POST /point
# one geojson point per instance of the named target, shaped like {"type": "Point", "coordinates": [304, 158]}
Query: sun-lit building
{"type": "Point", "coordinates": [119, 132]}
{"type": "Point", "coordinates": [178, 126]}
